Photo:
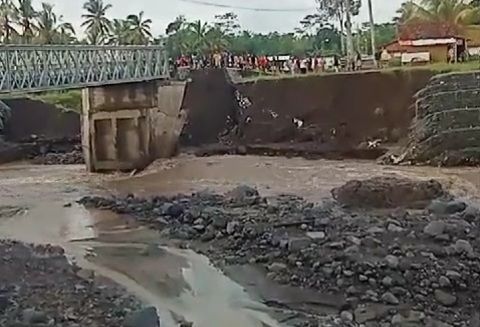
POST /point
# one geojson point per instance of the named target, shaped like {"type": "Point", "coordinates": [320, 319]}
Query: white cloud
{"type": "Point", "coordinates": [164, 11]}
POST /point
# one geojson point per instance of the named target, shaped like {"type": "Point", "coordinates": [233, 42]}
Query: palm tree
{"type": "Point", "coordinates": [119, 32]}
{"type": "Point", "coordinates": [455, 13]}
{"type": "Point", "coordinates": [26, 16]}
{"type": "Point", "coordinates": [96, 23]}
{"type": "Point", "coordinates": [51, 28]}
{"type": "Point", "coordinates": [198, 32]}
{"type": "Point", "coordinates": [8, 16]}
{"type": "Point", "coordinates": [46, 25]}
{"type": "Point", "coordinates": [139, 29]}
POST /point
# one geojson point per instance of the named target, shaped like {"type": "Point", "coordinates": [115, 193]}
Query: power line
{"type": "Point", "coordinates": [220, 5]}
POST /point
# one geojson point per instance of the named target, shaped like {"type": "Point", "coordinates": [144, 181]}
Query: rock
{"type": "Point", "coordinates": [355, 240]}
{"type": "Point", "coordinates": [471, 213]}
{"type": "Point", "coordinates": [322, 222]}
{"type": "Point", "coordinates": [435, 228]}
{"type": "Point", "coordinates": [199, 228]}
{"type": "Point", "coordinates": [375, 230]}
{"type": "Point", "coordinates": [232, 227]}
{"type": "Point", "coordinates": [316, 235]}
{"type": "Point", "coordinates": [394, 228]}
{"type": "Point", "coordinates": [298, 243]}
{"type": "Point", "coordinates": [446, 208]}
{"type": "Point", "coordinates": [86, 274]}
{"type": "Point", "coordinates": [277, 267]}
{"type": "Point", "coordinates": [452, 274]}
{"type": "Point", "coordinates": [346, 316]}
{"type": "Point", "coordinates": [219, 221]}
{"type": "Point", "coordinates": [389, 298]}
{"type": "Point", "coordinates": [392, 261]}
{"type": "Point", "coordinates": [411, 319]}
{"type": "Point", "coordinates": [364, 314]}
{"type": "Point", "coordinates": [32, 316]}
{"type": "Point", "coordinates": [456, 206]}
{"type": "Point", "coordinates": [147, 317]}
{"type": "Point", "coordinates": [444, 282]}
{"type": "Point", "coordinates": [463, 246]}
{"type": "Point", "coordinates": [387, 281]}
{"type": "Point", "coordinates": [174, 210]}
{"type": "Point", "coordinates": [445, 298]}
{"type": "Point", "coordinates": [242, 193]}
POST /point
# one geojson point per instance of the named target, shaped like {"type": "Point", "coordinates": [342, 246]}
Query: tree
{"type": "Point", "coordinates": [95, 21]}
{"type": "Point", "coordinates": [27, 15]}
{"type": "Point", "coordinates": [51, 29]}
{"type": "Point", "coordinates": [342, 11]}
{"type": "Point", "coordinates": [227, 23]}
{"type": "Point", "coordinates": [139, 30]}
{"type": "Point", "coordinates": [198, 31]}
{"type": "Point", "coordinates": [8, 16]}
{"type": "Point", "coordinates": [455, 13]}
{"type": "Point", "coordinates": [119, 32]}
{"type": "Point", "coordinates": [372, 30]}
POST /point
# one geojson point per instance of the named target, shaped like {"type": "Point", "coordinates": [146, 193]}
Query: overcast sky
{"type": "Point", "coordinates": [164, 11]}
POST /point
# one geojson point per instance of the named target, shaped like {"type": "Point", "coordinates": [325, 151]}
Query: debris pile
{"type": "Point", "coordinates": [389, 267]}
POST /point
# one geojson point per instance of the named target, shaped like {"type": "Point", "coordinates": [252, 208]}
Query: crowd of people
{"type": "Point", "coordinates": [274, 64]}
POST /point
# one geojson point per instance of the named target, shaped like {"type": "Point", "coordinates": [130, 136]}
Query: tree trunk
{"type": "Point", "coordinates": [348, 28]}
{"type": "Point", "coordinates": [372, 31]}
{"type": "Point", "coordinates": [342, 34]}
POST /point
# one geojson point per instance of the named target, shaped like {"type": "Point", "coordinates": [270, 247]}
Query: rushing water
{"type": "Point", "coordinates": [37, 204]}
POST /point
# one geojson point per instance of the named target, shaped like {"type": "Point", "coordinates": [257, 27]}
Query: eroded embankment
{"type": "Point", "coordinates": [35, 129]}
{"type": "Point", "coordinates": [319, 114]}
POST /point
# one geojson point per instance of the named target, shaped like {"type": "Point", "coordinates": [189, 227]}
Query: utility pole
{"type": "Point", "coordinates": [348, 27]}
{"type": "Point", "coordinates": [372, 31]}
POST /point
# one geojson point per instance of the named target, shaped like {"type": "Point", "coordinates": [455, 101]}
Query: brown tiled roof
{"type": "Point", "coordinates": [427, 30]}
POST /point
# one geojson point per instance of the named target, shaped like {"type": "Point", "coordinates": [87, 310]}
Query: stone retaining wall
{"type": "Point", "coordinates": [446, 129]}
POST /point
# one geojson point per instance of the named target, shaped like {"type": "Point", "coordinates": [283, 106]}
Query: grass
{"type": "Point", "coordinates": [69, 100]}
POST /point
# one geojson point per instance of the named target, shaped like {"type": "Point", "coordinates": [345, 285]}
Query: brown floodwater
{"type": "Point", "coordinates": [37, 204]}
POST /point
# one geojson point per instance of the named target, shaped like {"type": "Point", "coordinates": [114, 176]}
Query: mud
{"type": "Point", "coordinates": [321, 116]}
{"type": "Point", "coordinates": [338, 106]}
{"type": "Point", "coordinates": [208, 101]}
{"type": "Point", "coordinates": [26, 115]}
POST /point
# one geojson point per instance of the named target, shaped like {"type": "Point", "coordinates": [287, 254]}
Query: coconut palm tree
{"type": "Point", "coordinates": [198, 32]}
{"type": "Point", "coordinates": [46, 24]}
{"type": "Point", "coordinates": [51, 29]}
{"type": "Point", "coordinates": [119, 32]}
{"type": "Point", "coordinates": [139, 29]}
{"type": "Point", "coordinates": [450, 12]}
{"type": "Point", "coordinates": [96, 23]}
{"type": "Point", "coordinates": [26, 19]}
{"type": "Point", "coordinates": [8, 16]}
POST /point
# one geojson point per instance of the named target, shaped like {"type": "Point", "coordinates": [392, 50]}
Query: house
{"type": "Point", "coordinates": [434, 39]}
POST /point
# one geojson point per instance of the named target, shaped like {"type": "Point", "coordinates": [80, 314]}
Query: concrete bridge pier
{"type": "Point", "coordinates": [127, 126]}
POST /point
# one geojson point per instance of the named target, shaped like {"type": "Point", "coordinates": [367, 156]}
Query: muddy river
{"type": "Point", "coordinates": [37, 204]}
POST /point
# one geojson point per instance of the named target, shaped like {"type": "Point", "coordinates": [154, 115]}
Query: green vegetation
{"type": "Point", "coordinates": [69, 100]}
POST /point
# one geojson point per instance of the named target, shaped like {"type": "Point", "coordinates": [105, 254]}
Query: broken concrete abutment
{"type": "Point", "coordinates": [348, 115]}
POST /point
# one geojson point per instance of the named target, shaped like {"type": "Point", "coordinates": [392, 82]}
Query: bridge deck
{"type": "Point", "coordinates": [27, 68]}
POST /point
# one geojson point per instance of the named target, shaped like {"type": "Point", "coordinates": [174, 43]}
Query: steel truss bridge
{"type": "Point", "coordinates": [27, 68]}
